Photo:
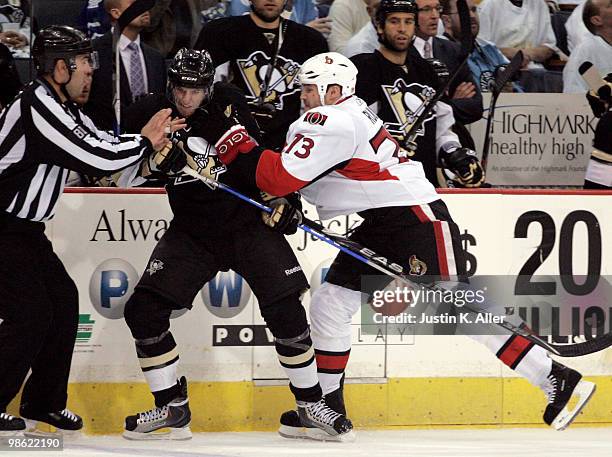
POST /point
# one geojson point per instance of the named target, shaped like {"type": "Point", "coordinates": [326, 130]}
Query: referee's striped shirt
{"type": "Point", "coordinates": [41, 140]}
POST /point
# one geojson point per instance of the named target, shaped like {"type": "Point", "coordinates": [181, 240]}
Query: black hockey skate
{"type": "Point", "coordinates": [169, 422]}
{"type": "Point", "coordinates": [323, 423]}
{"type": "Point", "coordinates": [63, 422]}
{"type": "Point", "coordinates": [562, 383]}
{"type": "Point", "coordinates": [291, 426]}
{"type": "Point", "coordinates": [11, 425]}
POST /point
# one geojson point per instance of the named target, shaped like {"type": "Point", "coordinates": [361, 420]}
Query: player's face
{"type": "Point", "coordinates": [188, 99]}
{"type": "Point", "coordinates": [310, 96]}
{"type": "Point", "coordinates": [268, 10]}
{"type": "Point", "coordinates": [79, 85]}
{"type": "Point", "coordinates": [399, 30]}
{"type": "Point", "coordinates": [429, 14]}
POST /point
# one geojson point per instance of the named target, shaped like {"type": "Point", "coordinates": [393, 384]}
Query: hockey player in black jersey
{"type": "Point", "coordinates": [395, 81]}
{"type": "Point", "coordinates": [265, 53]}
{"type": "Point", "coordinates": [211, 232]}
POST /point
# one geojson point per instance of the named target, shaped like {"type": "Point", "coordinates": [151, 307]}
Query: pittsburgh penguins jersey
{"type": "Point", "coordinates": [250, 49]}
{"type": "Point", "coordinates": [344, 161]}
{"type": "Point", "coordinates": [196, 206]}
{"type": "Point", "coordinates": [395, 92]}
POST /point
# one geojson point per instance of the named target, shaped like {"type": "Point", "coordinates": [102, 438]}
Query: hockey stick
{"type": "Point", "coordinates": [467, 44]}
{"type": "Point", "coordinates": [396, 271]}
{"type": "Point", "coordinates": [500, 82]}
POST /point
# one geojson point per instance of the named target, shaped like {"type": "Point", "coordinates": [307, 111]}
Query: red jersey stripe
{"type": "Point", "coordinates": [272, 177]}
{"type": "Point", "coordinates": [514, 351]}
{"type": "Point", "coordinates": [366, 170]}
{"type": "Point", "coordinates": [441, 248]}
{"type": "Point", "coordinates": [332, 362]}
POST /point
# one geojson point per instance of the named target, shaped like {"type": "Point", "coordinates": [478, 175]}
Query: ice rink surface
{"type": "Point", "coordinates": [540, 442]}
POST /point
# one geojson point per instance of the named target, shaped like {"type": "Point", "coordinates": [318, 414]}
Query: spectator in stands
{"type": "Point", "coordinates": [575, 28]}
{"type": "Point", "coordinates": [366, 40]}
{"type": "Point", "coordinates": [486, 58]}
{"type": "Point", "coordinates": [304, 12]}
{"type": "Point", "coordinates": [466, 99]}
{"type": "Point", "coordinates": [142, 67]}
{"type": "Point", "coordinates": [265, 53]}
{"type": "Point", "coordinates": [599, 169]}
{"type": "Point", "coordinates": [515, 25]}
{"type": "Point", "coordinates": [8, 75]}
{"type": "Point", "coordinates": [94, 20]}
{"type": "Point", "coordinates": [170, 27]}
{"type": "Point", "coordinates": [348, 17]}
{"type": "Point", "coordinates": [595, 48]}
{"type": "Point", "coordinates": [15, 24]}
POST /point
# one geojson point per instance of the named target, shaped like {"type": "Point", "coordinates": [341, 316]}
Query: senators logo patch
{"type": "Point", "coordinates": [417, 267]}
{"type": "Point", "coordinates": [315, 118]}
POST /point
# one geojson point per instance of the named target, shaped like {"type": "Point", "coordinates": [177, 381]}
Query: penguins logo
{"type": "Point", "coordinates": [417, 267]}
{"type": "Point", "coordinates": [405, 99]}
{"type": "Point", "coordinates": [204, 156]}
{"type": "Point", "coordinates": [282, 81]}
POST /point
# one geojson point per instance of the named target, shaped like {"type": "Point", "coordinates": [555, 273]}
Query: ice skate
{"type": "Point", "coordinates": [561, 384]}
{"type": "Point", "coordinates": [45, 424]}
{"type": "Point", "coordinates": [169, 422]}
{"type": "Point", "coordinates": [11, 425]}
{"type": "Point", "coordinates": [322, 423]}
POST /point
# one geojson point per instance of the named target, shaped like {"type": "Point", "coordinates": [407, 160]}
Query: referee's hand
{"type": "Point", "coordinates": [160, 126]}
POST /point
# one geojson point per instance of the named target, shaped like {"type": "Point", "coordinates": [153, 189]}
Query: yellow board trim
{"type": "Point", "coordinates": [399, 403]}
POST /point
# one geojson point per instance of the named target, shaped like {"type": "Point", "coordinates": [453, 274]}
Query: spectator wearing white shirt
{"type": "Point", "coordinates": [575, 28]}
{"type": "Point", "coordinates": [596, 47]}
{"type": "Point", "coordinates": [519, 25]}
{"type": "Point", "coordinates": [348, 17]}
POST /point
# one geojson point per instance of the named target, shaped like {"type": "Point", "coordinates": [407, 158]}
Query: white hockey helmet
{"type": "Point", "coordinates": [329, 68]}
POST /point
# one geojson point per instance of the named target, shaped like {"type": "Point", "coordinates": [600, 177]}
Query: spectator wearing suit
{"type": "Point", "coordinates": [595, 48]}
{"type": "Point", "coordinates": [465, 96]}
{"type": "Point", "coordinates": [142, 68]}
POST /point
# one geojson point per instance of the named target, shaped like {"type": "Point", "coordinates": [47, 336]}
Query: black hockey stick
{"type": "Point", "coordinates": [501, 80]}
{"type": "Point", "coordinates": [467, 45]}
{"type": "Point", "coordinates": [396, 271]}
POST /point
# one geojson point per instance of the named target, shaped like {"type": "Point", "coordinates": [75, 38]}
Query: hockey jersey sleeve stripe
{"type": "Point", "coordinates": [365, 170]}
{"type": "Point", "coordinates": [85, 156]}
{"type": "Point", "coordinates": [273, 178]}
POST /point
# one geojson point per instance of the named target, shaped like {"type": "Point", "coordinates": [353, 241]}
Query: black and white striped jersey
{"type": "Point", "coordinates": [41, 140]}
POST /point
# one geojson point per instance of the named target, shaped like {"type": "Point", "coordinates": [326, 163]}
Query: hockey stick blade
{"type": "Point", "coordinates": [396, 271]}
{"type": "Point", "coordinates": [515, 65]}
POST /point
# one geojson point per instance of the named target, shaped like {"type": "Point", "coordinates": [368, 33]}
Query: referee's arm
{"type": "Point", "coordinates": [82, 147]}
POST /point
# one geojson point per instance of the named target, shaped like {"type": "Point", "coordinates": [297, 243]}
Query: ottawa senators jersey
{"type": "Point", "coordinates": [250, 50]}
{"type": "Point", "coordinates": [344, 161]}
{"type": "Point", "coordinates": [395, 93]}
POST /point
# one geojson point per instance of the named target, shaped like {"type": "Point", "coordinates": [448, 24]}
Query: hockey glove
{"type": "Point", "coordinates": [465, 165]}
{"type": "Point", "coordinates": [601, 100]}
{"type": "Point", "coordinates": [286, 213]}
{"type": "Point", "coordinates": [206, 165]}
{"type": "Point", "coordinates": [168, 161]}
{"type": "Point", "coordinates": [235, 141]}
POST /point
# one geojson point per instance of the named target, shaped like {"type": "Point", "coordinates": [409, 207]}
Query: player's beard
{"type": "Point", "coordinates": [392, 44]}
{"type": "Point", "coordinates": [266, 16]}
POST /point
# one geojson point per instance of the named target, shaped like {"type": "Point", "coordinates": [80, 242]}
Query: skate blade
{"type": "Point", "coordinates": [296, 433]}
{"type": "Point", "coordinates": [321, 435]}
{"type": "Point", "coordinates": [175, 434]}
{"type": "Point", "coordinates": [11, 433]}
{"type": "Point", "coordinates": [36, 429]}
{"type": "Point", "coordinates": [584, 390]}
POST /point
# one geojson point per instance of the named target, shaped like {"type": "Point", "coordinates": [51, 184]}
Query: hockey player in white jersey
{"type": "Point", "coordinates": [340, 158]}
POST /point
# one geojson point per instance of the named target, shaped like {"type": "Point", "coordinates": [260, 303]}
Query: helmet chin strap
{"type": "Point", "coordinates": [62, 86]}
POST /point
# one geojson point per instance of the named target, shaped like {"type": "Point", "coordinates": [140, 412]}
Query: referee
{"type": "Point", "coordinates": [43, 136]}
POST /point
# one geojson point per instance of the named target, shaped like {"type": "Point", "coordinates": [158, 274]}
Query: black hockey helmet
{"type": "Point", "coordinates": [387, 7]}
{"type": "Point", "coordinates": [57, 42]}
{"type": "Point", "coordinates": [191, 68]}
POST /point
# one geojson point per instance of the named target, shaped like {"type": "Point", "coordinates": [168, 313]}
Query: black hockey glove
{"type": "Point", "coordinates": [465, 165]}
{"type": "Point", "coordinates": [601, 101]}
{"type": "Point", "coordinates": [168, 161]}
{"type": "Point", "coordinates": [218, 121]}
{"type": "Point", "coordinates": [286, 213]}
